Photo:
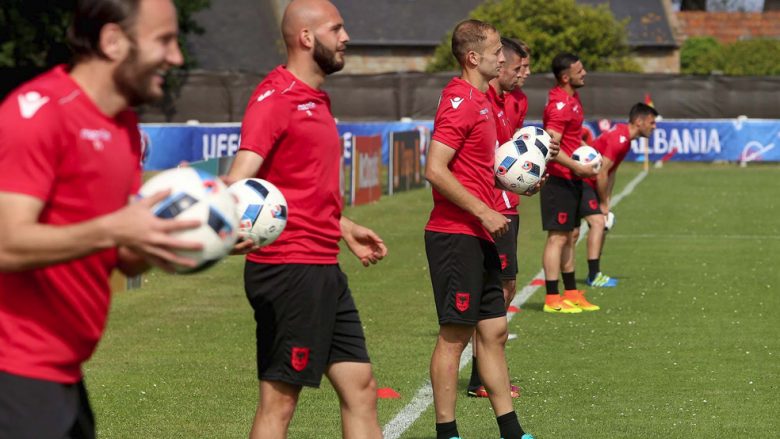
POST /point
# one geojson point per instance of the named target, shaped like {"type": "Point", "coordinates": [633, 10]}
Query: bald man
{"type": "Point", "coordinates": [307, 322]}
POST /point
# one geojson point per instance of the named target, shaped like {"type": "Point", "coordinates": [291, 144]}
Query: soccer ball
{"type": "Point", "coordinates": [518, 167]}
{"type": "Point", "coordinates": [587, 155]}
{"type": "Point", "coordinates": [198, 195]}
{"type": "Point", "coordinates": [262, 210]}
{"type": "Point", "coordinates": [537, 137]}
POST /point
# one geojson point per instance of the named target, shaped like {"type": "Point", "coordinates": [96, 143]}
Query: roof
{"type": "Point", "coordinates": [402, 22]}
{"type": "Point", "coordinates": [648, 25]}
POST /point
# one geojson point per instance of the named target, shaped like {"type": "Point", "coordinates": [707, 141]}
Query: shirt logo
{"type": "Point", "coordinates": [560, 105]}
{"type": "Point", "coordinates": [575, 108]}
{"type": "Point", "coordinates": [456, 101]}
{"type": "Point", "coordinates": [30, 103]}
{"type": "Point", "coordinates": [97, 137]}
{"type": "Point", "coordinates": [623, 139]}
{"type": "Point", "coordinates": [307, 107]}
{"type": "Point", "coordinates": [265, 95]}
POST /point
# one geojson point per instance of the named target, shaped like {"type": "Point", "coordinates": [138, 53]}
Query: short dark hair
{"type": "Point", "coordinates": [469, 36]}
{"type": "Point", "coordinates": [640, 110]}
{"type": "Point", "coordinates": [561, 62]}
{"type": "Point", "coordinates": [89, 17]}
{"type": "Point", "coordinates": [510, 45]}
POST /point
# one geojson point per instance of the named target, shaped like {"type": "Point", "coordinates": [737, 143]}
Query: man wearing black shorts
{"type": "Point", "coordinates": [561, 195]}
{"type": "Point", "coordinates": [70, 159]}
{"type": "Point", "coordinates": [509, 106]}
{"type": "Point", "coordinates": [464, 264]}
{"type": "Point", "coordinates": [307, 322]}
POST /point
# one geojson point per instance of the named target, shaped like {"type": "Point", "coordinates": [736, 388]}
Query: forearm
{"type": "Point", "coordinates": [346, 225]}
{"type": "Point", "coordinates": [34, 245]}
{"type": "Point", "coordinates": [565, 160]}
{"type": "Point", "coordinates": [602, 183]}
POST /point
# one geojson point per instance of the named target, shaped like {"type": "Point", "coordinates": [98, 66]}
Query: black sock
{"type": "Point", "coordinates": [474, 381]}
{"type": "Point", "coordinates": [509, 426]}
{"type": "Point", "coordinates": [593, 268]}
{"type": "Point", "coordinates": [447, 430]}
{"type": "Point", "coordinates": [552, 286]}
{"type": "Point", "coordinates": [569, 282]}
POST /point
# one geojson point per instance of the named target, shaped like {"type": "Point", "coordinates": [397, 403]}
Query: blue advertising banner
{"type": "Point", "coordinates": [733, 140]}
{"type": "Point", "coordinates": [168, 145]}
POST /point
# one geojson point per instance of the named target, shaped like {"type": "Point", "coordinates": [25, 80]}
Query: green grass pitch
{"type": "Point", "coordinates": [685, 347]}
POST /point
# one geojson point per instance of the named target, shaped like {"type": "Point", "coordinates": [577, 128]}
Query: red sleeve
{"type": "Point", "coordinates": [555, 119]}
{"type": "Point", "coordinates": [29, 149]}
{"type": "Point", "coordinates": [452, 125]}
{"type": "Point", "coordinates": [263, 124]}
{"type": "Point", "coordinates": [609, 145]}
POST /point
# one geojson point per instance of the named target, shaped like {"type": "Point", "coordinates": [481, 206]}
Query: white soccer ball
{"type": "Point", "coordinates": [198, 195]}
{"type": "Point", "coordinates": [518, 167]}
{"type": "Point", "coordinates": [609, 223]}
{"type": "Point", "coordinates": [537, 137]}
{"type": "Point", "coordinates": [587, 155]}
{"type": "Point", "coordinates": [262, 210]}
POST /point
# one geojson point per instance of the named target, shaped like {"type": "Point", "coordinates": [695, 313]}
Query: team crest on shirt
{"type": "Point", "coordinates": [456, 101]}
{"type": "Point", "coordinates": [623, 139]}
{"type": "Point", "coordinates": [30, 103]}
{"type": "Point", "coordinates": [462, 301]}
{"type": "Point", "coordinates": [560, 105]}
{"type": "Point", "coordinates": [575, 108]}
{"type": "Point", "coordinates": [299, 358]}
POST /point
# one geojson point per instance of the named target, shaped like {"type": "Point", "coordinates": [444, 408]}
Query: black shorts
{"type": "Point", "coordinates": [589, 203]}
{"type": "Point", "coordinates": [560, 201]}
{"type": "Point", "coordinates": [306, 320]}
{"type": "Point", "coordinates": [465, 274]}
{"type": "Point", "coordinates": [33, 409]}
{"type": "Point", "coordinates": [506, 245]}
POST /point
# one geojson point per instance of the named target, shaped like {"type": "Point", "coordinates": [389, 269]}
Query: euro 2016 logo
{"type": "Point", "coordinates": [532, 168]}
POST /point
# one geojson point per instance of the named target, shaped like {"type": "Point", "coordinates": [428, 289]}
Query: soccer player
{"type": "Point", "coordinates": [70, 156]}
{"type": "Point", "coordinates": [307, 322]}
{"type": "Point", "coordinates": [614, 145]}
{"type": "Point", "coordinates": [560, 196]}
{"type": "Point", "coordinates": [462, 256]}
{"type": "Point", "coordinates": [509, 105]}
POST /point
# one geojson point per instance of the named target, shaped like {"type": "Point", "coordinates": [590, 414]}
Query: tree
{"type": "Point", "coordinates": [550, 27]}
{"type": "Point", "coordinates": [32, 32]}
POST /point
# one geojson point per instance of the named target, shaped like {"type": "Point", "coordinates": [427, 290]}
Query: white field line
{"type": "Point", "coordinates": [424, 397]}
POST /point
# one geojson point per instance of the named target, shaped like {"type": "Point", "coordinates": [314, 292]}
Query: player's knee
{"type": "Point", "coordinates": [281, 408]}
{"type": "Point", "coordinates": [596, 221]}
{"type": "Point", "coordinates": [557, 239]}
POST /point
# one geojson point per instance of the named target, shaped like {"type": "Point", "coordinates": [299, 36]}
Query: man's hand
{"type": "Point", "coordinates": [584, 171]}
{"type": "Point", "coordinates": [537, 187]}
{"type": "Point", "coordinates": [243, 246]}
{"type": "Point", "coordinates": [555, 148]}
{"type": "Point", "coordinates": [138, 229]}
{"type": "Point", "coordinates": [363, 242]}
{"type": "Point", "coordinates": [495, 223]}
